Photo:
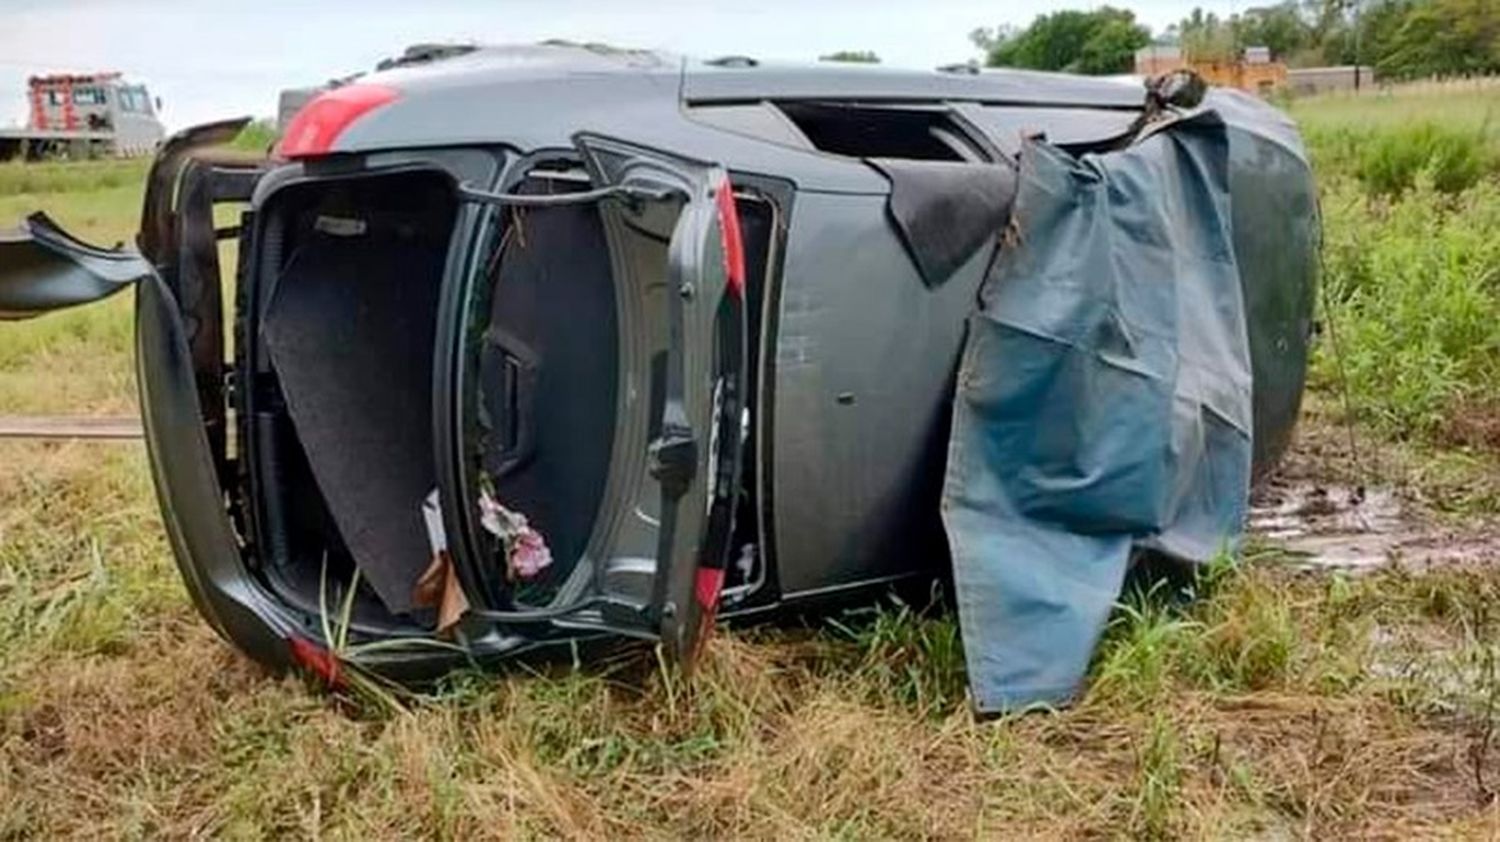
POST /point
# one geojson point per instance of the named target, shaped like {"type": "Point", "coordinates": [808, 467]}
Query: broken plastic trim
{"type": "Point", "coordinates": [43, 268]}
{"type": "Point", "coordinates": [157, 240]}
{"type": "Point", "coordinates": [630, 193]}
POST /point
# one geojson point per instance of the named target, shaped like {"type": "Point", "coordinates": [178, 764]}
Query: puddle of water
{"type": "Point", "coordinates": [1343, 527]}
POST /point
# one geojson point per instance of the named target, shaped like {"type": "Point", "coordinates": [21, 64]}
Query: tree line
{"type": "Point", "coordinates": [1401, 39]}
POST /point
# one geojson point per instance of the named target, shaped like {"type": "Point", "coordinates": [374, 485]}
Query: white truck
{"type": "Point", "coordinates": [84, 116]}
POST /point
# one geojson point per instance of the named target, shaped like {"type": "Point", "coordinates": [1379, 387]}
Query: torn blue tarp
{"type": "Point", "coordinates": [1103, 402]}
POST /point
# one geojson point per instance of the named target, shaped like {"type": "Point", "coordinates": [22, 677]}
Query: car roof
{"type": "Point", "coordinates": [742, 78]}
{"type": "Point", "coordinates": [539, 96]}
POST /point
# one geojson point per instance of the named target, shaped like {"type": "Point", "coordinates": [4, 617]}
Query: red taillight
{"type": "Point", "coordinates": [314, 128]}
{"type": "Point", "coordinates": [734, 244]}
{"type": "Point", "coordinates": [706, 587]}
{"type": "Point", "coordinates": [317, 660]}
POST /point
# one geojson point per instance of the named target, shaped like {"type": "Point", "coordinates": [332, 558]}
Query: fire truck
{"type": "Point", "coordinates": [84, 116]}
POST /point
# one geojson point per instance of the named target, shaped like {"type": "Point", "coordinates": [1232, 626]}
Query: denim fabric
{"type": "Point", "coordinates": [1103, 403]}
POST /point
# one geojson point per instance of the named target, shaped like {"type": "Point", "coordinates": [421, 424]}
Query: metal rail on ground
{"type": "Point", "coordinates": [106, 428]}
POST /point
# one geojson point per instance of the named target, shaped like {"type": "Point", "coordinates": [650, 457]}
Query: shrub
{"type": "Point", "coordinates": [1391, 160]}
{"type": "Point", "coordinates": [1413, 295]}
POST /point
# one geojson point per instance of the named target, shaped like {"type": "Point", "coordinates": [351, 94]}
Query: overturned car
{"type": "Point", "coordinates": [542, 343]}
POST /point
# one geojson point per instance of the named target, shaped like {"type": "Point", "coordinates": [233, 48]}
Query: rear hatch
{"type": "Point", "coordinates": [595, 411]}
{"type": "Point", "coordinates": [507, 404]}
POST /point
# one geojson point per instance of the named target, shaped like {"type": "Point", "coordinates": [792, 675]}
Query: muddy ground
{"type": "Point", "coordinates": [1342, 501]}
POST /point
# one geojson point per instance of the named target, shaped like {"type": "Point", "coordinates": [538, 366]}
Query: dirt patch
{"type": "Point", "coordinates": [1343, 499]}
{"type": "Point", "coordinates": [1351, 527]}
{"type": "Point", "coordinates": [1474, 425]}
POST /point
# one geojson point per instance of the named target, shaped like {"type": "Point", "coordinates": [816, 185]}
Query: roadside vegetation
{"type": "Point", "coordinates": [1280, 702]}
{"type": "Point", "coordinates": [1410, 305]}
{"type": "Point", "coordinates": [78, 361]}
{"type": "Point", "coordinates": [1401, 40]}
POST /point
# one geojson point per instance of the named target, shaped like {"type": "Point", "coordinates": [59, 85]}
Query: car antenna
{"type": "Point", "coordinates": [1365, 471]}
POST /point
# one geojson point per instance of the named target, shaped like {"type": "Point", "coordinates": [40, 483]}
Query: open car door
{"type": "Point", "coordinates": [179, 346]}
{"type": "Point", "coordinates": [654, 560]}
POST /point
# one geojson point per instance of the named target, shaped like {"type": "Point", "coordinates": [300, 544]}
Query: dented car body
{"type": "Point", "coordinates": [543, 343]}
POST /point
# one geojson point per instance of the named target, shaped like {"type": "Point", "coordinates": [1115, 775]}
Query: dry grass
{"type": "Point", "coordinates": [1280, 704]}
{"type": "Point", "coordinates": [1453, 102]}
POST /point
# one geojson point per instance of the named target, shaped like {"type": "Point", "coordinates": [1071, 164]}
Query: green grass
{"type": "Point", "coordinates": [1452, 160]}
{"type": "Point", "coordinates": [1450, 134]}
{"type": "Point", "coordinates": [78, 360]}
{"type": "Point", "coordinates": [1410, 307]}
{"type": "Point", "coordinates": [1458, 105]}
{"type": "Point", "coordinates": [1413, 292]}
{"type": "Point", "coordinates": [44, 178]}
{"type": "Point", "coordinates": [121, 713]}
{"type": "Point", "coordinates": [1277, 704]}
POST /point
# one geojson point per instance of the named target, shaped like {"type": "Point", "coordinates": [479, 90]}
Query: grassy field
{"type": "Point", "coordinates": [1410, 183]}
{"type": "Point", "coordinates": [1281, 703]}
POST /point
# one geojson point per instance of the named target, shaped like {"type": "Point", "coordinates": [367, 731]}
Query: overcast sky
{"type": "Point", "coordinates": [208, 59]}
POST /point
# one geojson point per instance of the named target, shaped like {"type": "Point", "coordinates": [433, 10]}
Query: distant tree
{"type": "Point", "coordinates": [852, 56]}
{"type": "Point", "coordinates": [1333, 28]}
{"type": "Point", "coordinates": [1289, 28]}
{"type": "Point", "coordinates": [1443, 37]}
{"type": "Point", "coordinates": [1278, 27]}
{"type": "Point", "coordinates": [1100, 41]}
{"type": "Point", "coordinates": [1378, 24]}
{"type": "Point", "coordinates": [988, 39]}
{"type": "Point", "coordinates": [1111, 48]}
{"type": "Point", "coordinates": [1403, 39]}
{"type": "Point", "coordinates": [1206, 37]}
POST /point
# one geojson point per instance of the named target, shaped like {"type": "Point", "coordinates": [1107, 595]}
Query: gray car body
{"type": "Point", "coordinates": [857, 353]}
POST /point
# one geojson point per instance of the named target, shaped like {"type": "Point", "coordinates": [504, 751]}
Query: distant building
{"type": "Point", "coordinates": [1156, 59]}
{"type": "Point", "coordinates": [1254, 72]}
{"type": "Point", "coordinates": [1318, 80]}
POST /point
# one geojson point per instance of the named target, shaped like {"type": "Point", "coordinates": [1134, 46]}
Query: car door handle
{"type": "Point", "coordinates": [518, 375]}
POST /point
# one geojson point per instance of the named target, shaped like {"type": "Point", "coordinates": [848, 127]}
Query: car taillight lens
{"type": "Point", "coordinates": [317, 660]}
{"type": "Point", "coordinates": [314, 128]}
{"type": "Point", "coordinates": [733, 242]}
